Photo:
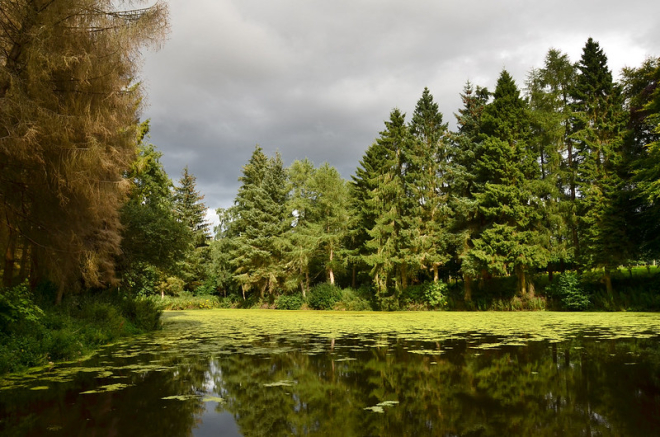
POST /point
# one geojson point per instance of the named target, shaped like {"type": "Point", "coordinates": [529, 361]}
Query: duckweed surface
{"type": "Point", "coordinates": [242, 372]}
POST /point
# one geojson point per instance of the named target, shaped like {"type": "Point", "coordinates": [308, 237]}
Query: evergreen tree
{"type": "Point", "coordinates": [190, 210]}
{"type": "Point", "coordinates": [260, 220]}
{"type": "Point", "coordinates": [426, 179]}
{"type": "Point", "coordinates": [153, 240]}
{"type": "Point", "coordinates": [512, 236]}
{"type": "Point", "coordinates": [389, 245]}
{"type": "Point", "coordinates": [642, 92]}
{"type": "Point", "coordinates": [598, 122]}
{"type": "Point", "coordinates": [462, 176]}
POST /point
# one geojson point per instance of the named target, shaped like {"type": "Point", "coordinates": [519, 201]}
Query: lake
{"type": "Point", "coordinates": [281, 373]}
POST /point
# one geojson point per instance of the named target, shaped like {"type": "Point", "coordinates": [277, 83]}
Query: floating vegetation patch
{"type": "Point", "coordinates": [107, 388]}
{"type": "Point", "coordinates": [181, 397]}
{"type": "Point", "coordinates": [213, 399]}
{"type": "Point", "coordinates": [378, 408]}
{"type": "Point", "coordinates": [282, 383]}
{"type": "Point", "coordinates": [40, 387]}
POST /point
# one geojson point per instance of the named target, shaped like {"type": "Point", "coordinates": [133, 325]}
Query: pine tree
{"type": "Point", "coordinates": [598, 122]}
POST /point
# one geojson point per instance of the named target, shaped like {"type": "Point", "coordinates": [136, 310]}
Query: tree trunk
{"type": "Point", "coordinates": [60, 294]}
{"type": "Point", "coordinates": [25, 261]}
{"type": "Point", "coordinates": [522, 280]}
{"type": "Point", "coordinates": [331, 273]}
{"type": "Point", "coordinates": [435, 272]}
{"type": "Point", "coordinates": [608, 281]}
{"type": "Point", "coordinates": [468, 288]}
{"type": "Point", "coordinates": [354, 278]}
{"type": "Point", "coordinates": [8, 273]}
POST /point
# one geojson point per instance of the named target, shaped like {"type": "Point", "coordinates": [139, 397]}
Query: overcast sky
{"type": "Point", "coordinates": [317, 78]}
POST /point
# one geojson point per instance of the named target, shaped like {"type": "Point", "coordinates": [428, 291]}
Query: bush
{"type": "Point", "coordinates": [569, 291]}
{"type": "Point", "coordinates": [17, 308]}
{"type": "Point", "coordinates": [354, 300]}
{"type": "Point", "coordinates": [435, 294]}
{"type": "Point", "coordinates": [208, 288]}
{"type": "Point", "coordinates": [324, 296]}
{"type": "Point", "coordinates": [289, 302]}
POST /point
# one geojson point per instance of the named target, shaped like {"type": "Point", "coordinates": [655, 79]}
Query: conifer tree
{"type": "Point", "coordinates": [426, 181]}
{"type": "Point", "coordinates": [68, 106]}
{"type": "Point", "coordinates": [549, 99]}
{"type": "Point", "coordinates": [511, 239]}
{"type": "Point", "coordinates": [598, 122]}
{"type": "Point", "coordinates": [189, 209]}
{"type": "Point", "coordinates": [260, 220]}
{"type": "Point", "coordinates": [464, 151]}
{"type": "Point", "coordinates": [389, 243]}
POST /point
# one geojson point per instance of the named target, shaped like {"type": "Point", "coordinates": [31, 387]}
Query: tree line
{"type": "Point", "coordinates": [561, 175]}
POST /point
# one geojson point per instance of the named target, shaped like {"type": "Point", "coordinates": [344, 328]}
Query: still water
{"type": "Point", "coordinates": [280, 373]}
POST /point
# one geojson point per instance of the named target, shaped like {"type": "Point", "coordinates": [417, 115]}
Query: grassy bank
{"type": "Point", "coordinates": [34, 332]}
{"type": "Point", "coordinates": [635, 289]}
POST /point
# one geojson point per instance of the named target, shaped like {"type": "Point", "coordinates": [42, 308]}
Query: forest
{"type": "Point", "coordinates": [545, 196]}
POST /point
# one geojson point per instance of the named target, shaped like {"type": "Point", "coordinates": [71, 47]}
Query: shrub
{"type": "Point", "coordinates": [17, 307]}
{"type": "Point", "coordinates": [354, 300]}
{"type": "Point", "coordinates": [569, 291]}
{"type": "Point", "coordinates": [435, 294]}
{"type": "Point", "coordinates": [324, 296]}
{"type": "Point", "coordinates": [289, 302]}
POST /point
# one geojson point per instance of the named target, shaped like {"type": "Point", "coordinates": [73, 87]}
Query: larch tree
{"type": "Point", "coordinates": [548, 90]}
{"type": "Point", "coordinates": [68, 108]}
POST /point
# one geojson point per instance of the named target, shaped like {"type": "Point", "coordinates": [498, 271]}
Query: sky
{"type": "Point", "coordinates": [317, 78]}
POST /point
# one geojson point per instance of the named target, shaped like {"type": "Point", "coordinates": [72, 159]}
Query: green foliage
{"type": "Point", "coordinates": [208, 288]}
{"type": "Point", "coordinates": [355, 300]}
{"type": "Point", "coordinates": [324, 296]}
{"type": "Point", "coordinates": [17, 308]}
{"type": "Point", "coordinates": [435, 294]}
{"type": "Point", "coordinates": [289, 302]}
{"type": "Point", "coordinates": [81, 323]}
{"type": "Point", "coordinates": [568, 289]}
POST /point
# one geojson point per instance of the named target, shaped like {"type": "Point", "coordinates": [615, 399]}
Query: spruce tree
{"type": "Point", "coordinates": [260, 220]}
{"type": "Point", "coordinates": [189, 208]}
{"type": "Point", "coordinates": [511, 239]}
{"type": "Point", "coordinates": [389, 245]}
{"type": "Point", "coordinates": [598, 122]}
{"type": "Point", "coordinates": [464, 149]}
{"type": "Point", "coordinates": [426, 182]}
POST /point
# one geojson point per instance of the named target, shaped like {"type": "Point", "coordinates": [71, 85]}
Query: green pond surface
{"type": "Point", "coordinates": [281, 373]}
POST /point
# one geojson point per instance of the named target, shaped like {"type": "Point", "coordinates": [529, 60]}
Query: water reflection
{"type": "Point", "coordinates": [371, 384]}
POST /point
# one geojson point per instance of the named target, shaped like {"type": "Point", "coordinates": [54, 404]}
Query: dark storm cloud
{"type": "Point", "coordinates": [317, 79]}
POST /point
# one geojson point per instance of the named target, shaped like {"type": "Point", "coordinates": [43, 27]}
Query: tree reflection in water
{"type": "Point", "coordinates": [350, 385]}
